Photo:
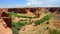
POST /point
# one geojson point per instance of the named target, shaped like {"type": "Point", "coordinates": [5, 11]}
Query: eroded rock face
{"type": "Point", "coordinates": [5, 22]}
{"type": "Point", "coordinates": [17, 10]}
{"type": "Point", "coordinates": [4, 30]}
{"type": "Point", "coordinates": [52, 9]}
{"type": "Point", "coordinates": [33, 10]}
{"type": "Point", "coordinates": [4, 14]}
{"type": "Point", "coordinates": [7, 19]}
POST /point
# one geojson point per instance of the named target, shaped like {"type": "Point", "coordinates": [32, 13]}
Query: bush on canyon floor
{"type": "Point", "coordinates": [38, 22]}
{"type": "Point", "coordinates": [16, 15]}
{"type": "Point", "coordinates": [17, 26]}
{"type": "Point", "coordinates": [54, 31]}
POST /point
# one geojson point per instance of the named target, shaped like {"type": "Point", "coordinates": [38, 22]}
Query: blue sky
{"type": "Point", "coordinates": [29, 3]}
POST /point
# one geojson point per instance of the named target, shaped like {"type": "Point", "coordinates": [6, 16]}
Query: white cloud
{"type": "Point", "coordinates": [35, 2]}
{"type": "Point", "coordinates": [28, 3]}
{"type": "Point", "coordinates": [41, 3]}
{"type": "Point", "coordinates": [47, 3]}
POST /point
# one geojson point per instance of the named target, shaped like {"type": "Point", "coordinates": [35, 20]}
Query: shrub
{"type": "Point", "coordinates": [17, 26]}
{"type": "Point", "coordinates": [42, 20]}
{"type": "Point", "coordinates": [54, 31]}
{"type": "Point", "coordinates": [16, 15]}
